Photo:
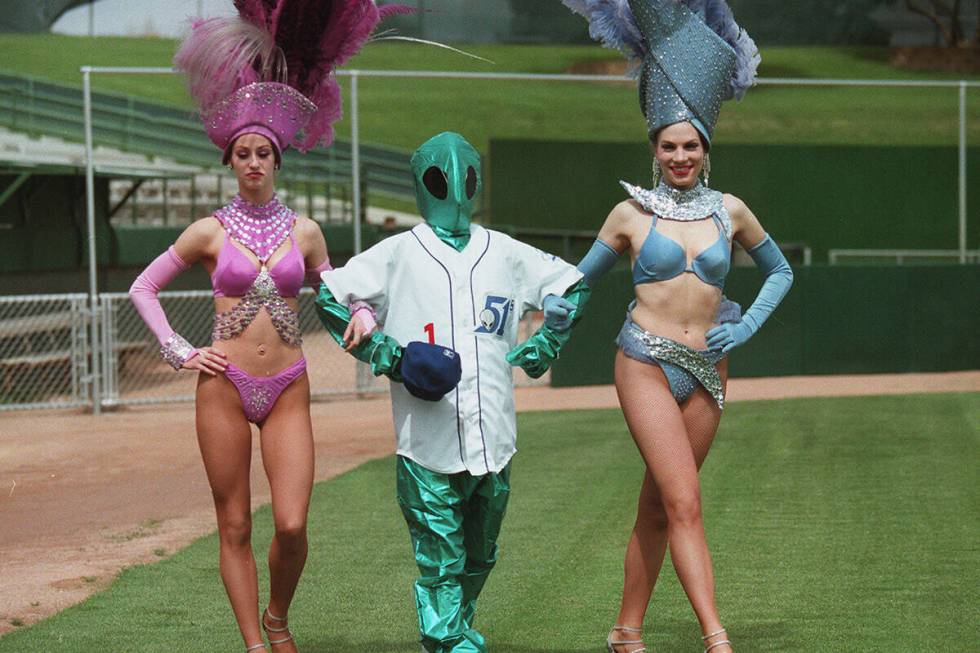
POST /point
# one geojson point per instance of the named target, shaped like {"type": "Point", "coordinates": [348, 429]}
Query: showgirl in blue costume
{"type": "Point", "coordinates": [671, 371]}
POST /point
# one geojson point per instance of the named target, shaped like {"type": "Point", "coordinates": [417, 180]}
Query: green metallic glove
{"type": "Point", "coordinates": [381, 352]}
{"type": "Point", "coordinates": [536, 354]}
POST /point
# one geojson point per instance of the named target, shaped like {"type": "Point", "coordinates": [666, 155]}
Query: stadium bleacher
{"type": "Point", "coordinates": [43, 124]}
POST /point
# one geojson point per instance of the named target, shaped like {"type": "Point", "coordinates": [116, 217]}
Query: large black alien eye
{"type": "Point", "coordinates": [435, 181]}
{"type": "Point", "coordinates": [470, 182]}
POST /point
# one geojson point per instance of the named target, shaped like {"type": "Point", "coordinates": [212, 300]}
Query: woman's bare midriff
{"type": "Point", "coordinates": [682, 309]}
{"type": "Point", "coordinates": [259, 350]}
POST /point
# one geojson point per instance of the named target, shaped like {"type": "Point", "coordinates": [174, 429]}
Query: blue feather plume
{"type": "Point", "coordinates": [717, 15]}
{"type": "Point", "coordinates": [611, 23]}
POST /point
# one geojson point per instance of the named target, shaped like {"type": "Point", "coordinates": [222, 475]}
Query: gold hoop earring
{"type": "Point", "coordinates": [657, 173]}
{"type": "Point", "coordinates": [706, 169]}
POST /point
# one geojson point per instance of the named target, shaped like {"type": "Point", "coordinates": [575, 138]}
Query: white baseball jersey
{"type": "Point", "coordinates": [423, 289]}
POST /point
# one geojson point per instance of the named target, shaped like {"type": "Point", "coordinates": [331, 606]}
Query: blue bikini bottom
{"type": "Point", "coordinates": [685, 368]}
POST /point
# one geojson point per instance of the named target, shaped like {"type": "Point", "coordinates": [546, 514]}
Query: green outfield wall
{"type": "Point", "coordinates": [43, 222]}
{"type": "Point", "coordinates": [822, 196]}
{"type": "Point", "coordinates": [835, 320]}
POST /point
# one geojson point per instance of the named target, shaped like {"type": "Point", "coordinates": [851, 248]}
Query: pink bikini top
{"type": "Point", "coordinates": [235, 272]}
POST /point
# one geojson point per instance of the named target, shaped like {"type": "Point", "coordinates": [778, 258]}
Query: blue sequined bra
{"type": "Point", "coordinates": [661, 258]}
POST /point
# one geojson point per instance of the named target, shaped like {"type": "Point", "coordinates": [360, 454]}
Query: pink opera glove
{"type": "Point", "coordinates": [364, 312]}
{"type": "Point", "coordinates": [359, 309]}
{"type": "Point", "coordinates": [143, 293]}
{"type": "Point", "coordinates": [313, 274]}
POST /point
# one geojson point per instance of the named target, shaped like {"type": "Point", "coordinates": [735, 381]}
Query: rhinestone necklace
{"type": "Point", "coordinates": [683, 204]}
{"type": "Point", "coordinates": [695, 203]}
{"type": "Point", "coordinates": [260, 228]}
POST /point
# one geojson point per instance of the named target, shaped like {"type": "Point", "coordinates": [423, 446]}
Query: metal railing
{"type": "Point", "coordinates": [45, 356]}
{"type": "Point", "coordinates": [900, 256]}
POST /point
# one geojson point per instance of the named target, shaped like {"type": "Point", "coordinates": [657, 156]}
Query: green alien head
{"type": "Point", "coordinates": [447, 181]}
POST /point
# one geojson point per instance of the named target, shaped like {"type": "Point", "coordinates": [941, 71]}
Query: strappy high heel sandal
{"type": "Point", "coordinates": [611, 643]}
{"type": "Point", "coordinates": [269, 630]}
{"type": "Point", "coordinates": [255, 647]}
{"type": "Point", "coordinates": [720, 642]}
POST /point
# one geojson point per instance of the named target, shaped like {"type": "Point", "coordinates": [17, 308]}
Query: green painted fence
{"type": "Point", "coordinates": [835, 320]}
{"type": "Point", "coordinates": [824, 196]}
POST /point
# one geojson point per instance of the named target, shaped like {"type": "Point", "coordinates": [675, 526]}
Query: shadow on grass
{"type": "Point", "coordinates": [676, 634]}
{"type": "Point", "coordinates": [332, 644]}
{"type": "Point", "coordinates": [517, 648]}
{"type": "Point", "coordinates": [751, 636]}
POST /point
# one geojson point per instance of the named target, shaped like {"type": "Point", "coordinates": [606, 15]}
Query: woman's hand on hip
{"type": "Point", "coordinates": [728, 336]}
{"type": "Point", "coordinates": [208, 360]}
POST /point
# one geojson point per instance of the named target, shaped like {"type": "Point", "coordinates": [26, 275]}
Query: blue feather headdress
{"type": "Point", "coordinates": [689, 55]}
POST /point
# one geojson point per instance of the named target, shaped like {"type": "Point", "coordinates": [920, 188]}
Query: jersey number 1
{"type": "Point", "coordinates": [430, 330]}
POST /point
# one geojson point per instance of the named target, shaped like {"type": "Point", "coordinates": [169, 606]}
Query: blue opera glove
{"type": "Point", "coordinates": [599, 260]}
{"type": "Point", "coordinates": [558, 312]}
{"type": "Point", "coordinates": [779, 278]}
{"type": "Point", "coordinates": [728, 336]}
{"type": "Point", "coordinates": [536, 354]}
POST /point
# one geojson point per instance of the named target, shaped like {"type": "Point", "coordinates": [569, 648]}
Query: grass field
{"type": "Point", "coordinates": [405, 112]}
{"type": "Point", "coordinates": [835, 525]}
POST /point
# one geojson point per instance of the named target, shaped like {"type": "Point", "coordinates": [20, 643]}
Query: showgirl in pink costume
{"type": "Point", "coordinates": [264, 82]}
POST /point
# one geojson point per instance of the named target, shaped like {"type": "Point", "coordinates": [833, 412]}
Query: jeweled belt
{"type": "Point", "coordinates": [262, 293]}
{"type": "Point", "coordinates": [697, 363]}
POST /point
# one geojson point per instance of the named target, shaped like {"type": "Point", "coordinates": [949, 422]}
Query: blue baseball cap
{"type": "Point", "coordinates": [430, 371]}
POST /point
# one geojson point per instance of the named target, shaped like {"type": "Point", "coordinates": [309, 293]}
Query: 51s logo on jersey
{"type": "Point", "coordinates": [493, 317]}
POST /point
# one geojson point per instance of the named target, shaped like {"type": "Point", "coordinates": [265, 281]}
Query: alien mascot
{"type": "Point", "coordinates": [455, 292]}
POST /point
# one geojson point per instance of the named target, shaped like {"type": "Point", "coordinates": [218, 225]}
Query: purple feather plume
{"type": "Point", "coordinates": [297, 42]}
{"type": "Point", "coordinates": [717, 15]}
{"type": "Point", "coordinates": [316, 37]}
{"type": "Point", "coordinates": [223, 54]}
{"type": "Point", "coordinates": [256, 11]}
{"type": "Point", "coordinates": [392, 10]}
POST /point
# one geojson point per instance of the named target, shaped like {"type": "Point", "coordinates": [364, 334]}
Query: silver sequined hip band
{"type": "Point", "coordinates": [700, 364]}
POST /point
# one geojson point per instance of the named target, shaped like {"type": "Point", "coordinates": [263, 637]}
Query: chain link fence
{"type": "Point", "coordinates": [134, 373]}
{"type": "Point", "coordinates": [44, 351]}
{"type": "Point", "coordinates": [45, 357]}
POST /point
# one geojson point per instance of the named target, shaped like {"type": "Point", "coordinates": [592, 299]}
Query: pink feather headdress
{"type": "Point", "coordinates": [238, 69]}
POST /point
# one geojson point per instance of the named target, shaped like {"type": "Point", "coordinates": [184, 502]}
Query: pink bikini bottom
{"type": "Point", "coordinates": [259, 393]}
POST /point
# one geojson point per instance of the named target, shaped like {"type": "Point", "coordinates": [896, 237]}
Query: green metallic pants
{"type": "Point", "coordinates": [454, 521]}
